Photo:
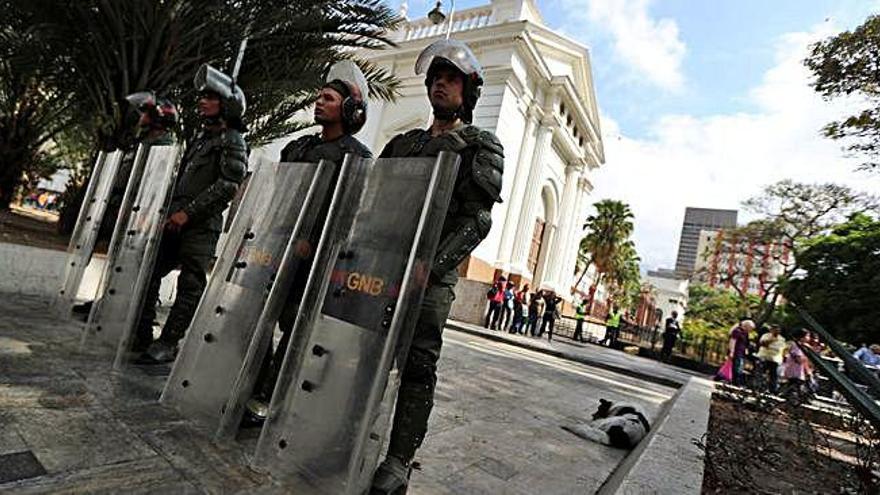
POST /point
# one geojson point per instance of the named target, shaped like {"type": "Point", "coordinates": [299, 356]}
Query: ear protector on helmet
{"type": "Point", "coordinates": [353, 110]}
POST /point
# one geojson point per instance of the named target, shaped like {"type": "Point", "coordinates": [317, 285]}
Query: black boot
{"type": "Point", "coordinates": [391, 477]}
{"type": "Point", "coordinates": [159, 352]}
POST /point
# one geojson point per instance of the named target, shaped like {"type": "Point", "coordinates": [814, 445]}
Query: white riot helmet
{"type": "Point", "coordinates": [231, 96]}
{"type": "Point", "coordinates": [458, 56]}
{"type": "Point", "coordinates": [346, 78]}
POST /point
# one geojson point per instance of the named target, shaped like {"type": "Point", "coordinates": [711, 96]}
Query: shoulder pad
{"type": "Point", "coordinates": [486, 139]}
{"type": "Point", "coordinates": [233, 160]}
{"type": "Point", "coordinates": [488, 164]}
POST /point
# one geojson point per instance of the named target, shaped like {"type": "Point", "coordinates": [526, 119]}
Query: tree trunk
{"type": "Point", "coordinates": [10, 174]}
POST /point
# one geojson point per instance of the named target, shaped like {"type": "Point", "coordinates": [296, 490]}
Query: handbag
{"type": "Point", "coordinates": [725, 372]}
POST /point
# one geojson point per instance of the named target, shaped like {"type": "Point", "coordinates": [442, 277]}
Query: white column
{"type": "Point", "coordinates": [514, 203]}
{"type": "Point", "coordinates": [542, 276]}
{"type": "Point", "coordinates": [566, 211]}
{"type": "Point", "coordinates": [526, 224]}
{"type": "Point", "coordinates": [575, 234]}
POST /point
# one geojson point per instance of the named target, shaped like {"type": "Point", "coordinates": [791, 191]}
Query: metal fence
{"type": "Point", "coordinates": [705, 351]}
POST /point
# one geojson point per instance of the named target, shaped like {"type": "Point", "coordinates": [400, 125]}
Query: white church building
{"type": "Point", "coordinates": [539, 99]}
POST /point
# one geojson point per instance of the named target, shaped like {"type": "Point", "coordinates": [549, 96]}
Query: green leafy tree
{"type": "Point", "coordinates": [711, 312]}
{"type": "Point", "coordinates": [840, 280]}
{"type": "Point", "coordinates": [607, 244]}
{"type": "Point", "coordinates": [31, 112]}
{"type": "Point", "coordinates": [790, 215]}
{"type": "Point", "coordinates": [624, 277]}
{"type": "Point", "coordinates": [848, 64]}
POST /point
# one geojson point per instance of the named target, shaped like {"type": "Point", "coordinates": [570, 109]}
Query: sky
{"type": "Point", "coordinates": [703, 103]}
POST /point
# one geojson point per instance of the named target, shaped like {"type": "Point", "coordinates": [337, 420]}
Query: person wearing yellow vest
{"type": "Point", "coordinates": [612, 327]}
{"type": "Point", "coordinates": [580, 312]}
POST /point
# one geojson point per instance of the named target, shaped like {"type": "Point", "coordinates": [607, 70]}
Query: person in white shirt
{"type": "Point", "coordinates": [771, 346]}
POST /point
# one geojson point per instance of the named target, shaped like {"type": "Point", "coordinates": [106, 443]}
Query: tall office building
{"type": "Point", "coordinates": [695, 220]}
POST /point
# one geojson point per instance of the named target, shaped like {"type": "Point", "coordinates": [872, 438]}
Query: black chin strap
{"type": "Point", "coordinates": [444, 114]}
{"type": "Point", "coordinates": [215, 120]}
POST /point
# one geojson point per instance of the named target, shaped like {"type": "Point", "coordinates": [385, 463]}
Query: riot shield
{"type": "Point", "coordinates": [279, 209]}
{"type": "Point", "coordinates": [135, 234]}
{"type": "Point", "coordinates": [123, 299]}
{"type": "Point", "coordinates": [355, 325]}
{"type": "Point", "coordinates": [88, 223]}
{"type": "Point", "coordinates": [351, 179]}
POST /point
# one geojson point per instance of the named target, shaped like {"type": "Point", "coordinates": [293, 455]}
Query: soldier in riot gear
{"type": "Point", "coordinates": [211, 171]}
{"type": "Point", "coordinates": [453, 79]}
{"type": "Point", "coordinates": [156, 118]}
{"type": "Point", "coordinates": [341, 111]}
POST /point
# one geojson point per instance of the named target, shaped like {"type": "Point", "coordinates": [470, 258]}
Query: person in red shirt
{"type": "Point", "coordinates": [496, 300]}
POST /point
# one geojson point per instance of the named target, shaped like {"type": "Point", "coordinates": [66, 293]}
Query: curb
{"type": "Point", "coordinates": [667, 460]}
{"type": "Point", "coordinates": [659, 380]}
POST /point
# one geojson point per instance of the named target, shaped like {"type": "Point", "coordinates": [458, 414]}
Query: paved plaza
{"type": "Point", "coordinates": [67, 424]}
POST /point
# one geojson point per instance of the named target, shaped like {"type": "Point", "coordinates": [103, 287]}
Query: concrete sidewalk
{"type": "Point", "coordinates": [68, 424]}
{"type": "Point", "coordinates": [586, 353]}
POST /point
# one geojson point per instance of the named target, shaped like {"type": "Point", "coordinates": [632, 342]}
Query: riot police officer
{"type": "Point", "coordinates": [156, 119]}
{"type": "Point", "coordinates": [211, 171]}
{"type": "Point", "coordinates": [341, 111]}
{"type": "Point", "coordinates": [453, 79]}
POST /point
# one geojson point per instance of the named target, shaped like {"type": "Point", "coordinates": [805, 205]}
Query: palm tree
{"type": "Point", "coordinates": [608, 231]}
{"type": "Point", "coordinates": [624, 276]}
{"type": "Point", "coordinates": [31, 114]}
{"type": "Point", "coordinates": [95, 52]}
{"type": "Point", "coordinates": [108, 50]}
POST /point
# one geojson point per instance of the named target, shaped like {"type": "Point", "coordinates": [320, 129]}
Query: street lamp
{"type": "Point", "coordinates": [437, 16]}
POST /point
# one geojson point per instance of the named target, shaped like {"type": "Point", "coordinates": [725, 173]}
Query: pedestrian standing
{"type": "Point", "coordinates": [580, 312]}
{"type": "Point", "coordinates": [536, 308]}
{"type": "Point", "coordinates": [670, 335]}
{"type": "Point", "coordinates": [494, 295]}
{"type": "Point", "coordinates": [551, 313]}
{"type": "Point", "coordinates": [796, 370]}
{"type": "Point", "coordinates": [507, 307]}
{"type": "Point", "coordinates": [738, 347]}
{"type": "Point", "coordinates": [771, 346]}
{"type": "Point", "coordinates": [519, 301]}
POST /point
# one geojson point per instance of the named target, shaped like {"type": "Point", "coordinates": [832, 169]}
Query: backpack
{"type": "Point", "coordinates": [492, 292]}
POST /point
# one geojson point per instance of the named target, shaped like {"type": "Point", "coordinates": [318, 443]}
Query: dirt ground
{"type": "Point", "coordinates": [31, 227]}
{"type": "Point", "coordinates": [790, 454]}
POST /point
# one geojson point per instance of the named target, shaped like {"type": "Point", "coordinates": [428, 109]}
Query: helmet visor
{"type": "Point", "coordinates": [141, 100]}
{"type": "Point", "coordinates": [456, 52]}
{"type": "Point", "coordinates": [348, 72]}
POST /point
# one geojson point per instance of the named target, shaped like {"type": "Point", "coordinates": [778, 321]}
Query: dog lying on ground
{"type": "Point", "coordinates": [618, 425]}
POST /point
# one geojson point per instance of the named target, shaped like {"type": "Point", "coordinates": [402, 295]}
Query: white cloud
{"type": "Point", "coordinates": [718, 161]}
{"type": "Point", "coordinates": [649, 47]}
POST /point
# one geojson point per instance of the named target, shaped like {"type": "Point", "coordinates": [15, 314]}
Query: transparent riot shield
{"type": "Point", "coordinates": [135, 234]}
{"type": "Point", "coordinates": [88, 223]}
{"type": "Point", "coordinates": [279, 209]}
{"type": "Point", "coordinates": [352, 175]}
{"type": "Point", "coordinates": [355, 325]}
{"type": "Point", "coordinates": [121, 306]}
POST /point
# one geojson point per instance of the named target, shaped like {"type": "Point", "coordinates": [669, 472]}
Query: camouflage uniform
{"type": "Point", "coordinates": [468, 220]}
{"type": "Point", "coordinates": [212, 169]}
